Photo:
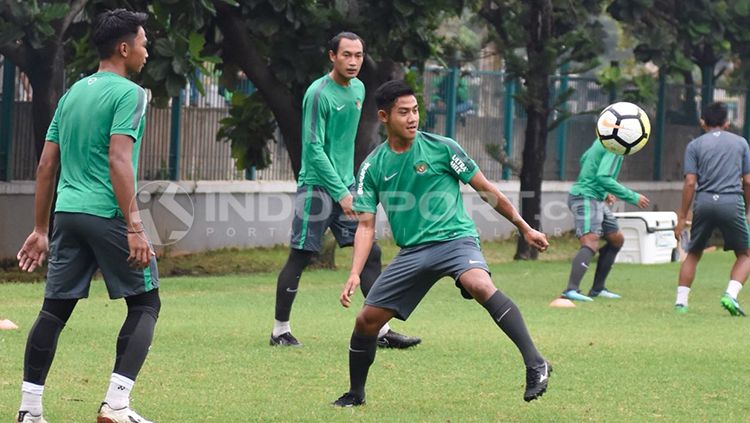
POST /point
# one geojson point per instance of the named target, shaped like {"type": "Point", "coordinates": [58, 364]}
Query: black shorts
{"type": "Point", "coordinates": [414, 270]}
{"type": "Point", "coordinates": [725, 212]}
{"type": "Point", "coordinates": [314, 212]}
{"type": "Point", "coordinates": [82, 243]}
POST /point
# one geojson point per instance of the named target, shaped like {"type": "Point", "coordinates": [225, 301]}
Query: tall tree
{"type": "Point", "coordinates": [46, 38]}
{"type": "Point", "coordinates": [537, 38]}
{"type": "Point", "coordinates": [678, 35]}
{"type": "Point", "coordinates": [281, 47]}
{"type": "Point", "coordinates": [33, 35]}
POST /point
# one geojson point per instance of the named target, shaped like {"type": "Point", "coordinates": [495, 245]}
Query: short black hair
{"type": "Point", "coordinates": [115, 26]}
{"type": "Point", "coordinates": [333, 45]}
{"type": "Point", "coordinates": [388, 92]}
{"type": "Point", "coordinates": [715, 114]}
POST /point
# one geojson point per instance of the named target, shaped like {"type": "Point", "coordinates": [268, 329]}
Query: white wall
{"type": "Point", "coordinates": [205, 215]}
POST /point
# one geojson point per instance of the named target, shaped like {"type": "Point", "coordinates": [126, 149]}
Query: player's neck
{"type": "Point", "coordinates": [114, 67]}
{"type": "Point", "coordinates": [399, 145]}
{"type": "Point", "coordinates": [337, 78]}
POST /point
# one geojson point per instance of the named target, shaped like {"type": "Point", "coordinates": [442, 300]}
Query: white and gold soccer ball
{"type": "Point", "coordinates": [623, 128]}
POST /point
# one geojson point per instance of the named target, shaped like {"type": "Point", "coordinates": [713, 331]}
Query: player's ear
{"type": "Point", "coordinates": [702, 123]}
{"type": "Point", "coordinates": [383, 116]}
{"type": "Point", "coordinates": [331, 56]}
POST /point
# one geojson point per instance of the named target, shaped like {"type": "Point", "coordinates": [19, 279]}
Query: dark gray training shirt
{"type": "Point", "coordinates": [719, 158]}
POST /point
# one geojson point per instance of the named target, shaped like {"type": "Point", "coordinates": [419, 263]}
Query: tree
{"type": "Point", "coordinates": [537, 38]}
{"type": "Point", "coordinates": [48, 38]}
{"type": "Point", "coordinates": [33, 36]}
{"type": "Point", "coordinates": [678, 35]}
{"type": "Point", "coordinates": [281, 47]}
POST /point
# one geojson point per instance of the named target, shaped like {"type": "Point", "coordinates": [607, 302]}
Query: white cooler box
{"type": "Point", "coordinates": [649, 237]}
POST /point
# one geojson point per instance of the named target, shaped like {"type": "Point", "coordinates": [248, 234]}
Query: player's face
{"type": "Point", "coordinates": [403, 120]}
{"type": "Point", "coordinates": [137, 52]}
{"type": "Point", "coordinates": [347, 61]}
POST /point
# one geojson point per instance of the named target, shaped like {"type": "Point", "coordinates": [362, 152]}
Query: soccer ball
{"type": "Point", "coordinates": [623, 128]}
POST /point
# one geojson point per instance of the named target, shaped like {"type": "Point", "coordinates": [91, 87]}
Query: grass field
{"type": "Point", "coordinates": [614, 360]}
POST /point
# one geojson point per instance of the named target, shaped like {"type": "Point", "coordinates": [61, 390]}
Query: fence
{"type": "Point", "coordinates": [475, 107]}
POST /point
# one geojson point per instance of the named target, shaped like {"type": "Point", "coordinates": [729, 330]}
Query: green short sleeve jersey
{"type": "Point", "coordinates": [94, 109]}
{"type": "Point", "coordinates": [330, 116]}
{"type": "Point", "coordinates": [418, 189]}
{"type": "Point", "coordinates": [598, 175]}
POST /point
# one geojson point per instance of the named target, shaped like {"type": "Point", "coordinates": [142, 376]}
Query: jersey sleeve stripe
{"type": "Point", "coordinates": [314, 120]}
{"type": "Point", "coordinates": [140, 109]}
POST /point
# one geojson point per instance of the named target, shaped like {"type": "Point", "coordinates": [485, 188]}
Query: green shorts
{"type": "Point", "coordinates": [82, 243]}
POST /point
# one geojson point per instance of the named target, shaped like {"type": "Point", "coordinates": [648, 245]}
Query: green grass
{"type": "Point", "coordinates": [614, 360]}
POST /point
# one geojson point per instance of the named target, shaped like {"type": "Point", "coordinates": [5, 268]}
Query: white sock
{"type": "Point", "coordinates": [281, 327]}
{"type": "Point", "coordinates": [386, 327]}
{"type": "Point", "coordinates": [118, 394]}
{"type": "Point", "coordinates": [682, 295]}
{"type": "Point", "coordinates": [734, 288]}
{"type": "Point", "coordinates": [31, 398]}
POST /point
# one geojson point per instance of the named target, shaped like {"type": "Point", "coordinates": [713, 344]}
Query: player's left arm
{"type": "Point", "coordinates": [607, 180]}
{"type": "Point", "coordinates": [746, 191]}
{"type": "Point", "coordinates": [495, 198]}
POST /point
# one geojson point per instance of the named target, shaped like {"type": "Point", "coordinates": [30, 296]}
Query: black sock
{"type": "Point", "coordinates": [361, 356]}
{"type": "Point", "coordinates": [288, 282]}
{"type": "Point", "coordinates": [508, 317]}
{"type": "Point", "coordinates": [371, 271]}
{"type": "Point", "coordinates": [579, 267]}
{"type": "Point", "coordinates": [136, 334]}
{"type": "Point", "coordinates": [607, 255]}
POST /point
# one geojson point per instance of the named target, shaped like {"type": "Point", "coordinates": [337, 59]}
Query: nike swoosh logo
{"type": "Point", "coordinates": [584, 265]}
{"type": "Point", "coordinates": [340, 107]}
{"type": "Point", "coordinates": [291, 290]}
{"type": "Point", "coordinates": [475, 261]}
{"type": "Point", "coordinates": [356, 351]}
{"type": "Point", "coordinates": [544, 376]}
{"type": "Point", "coordinates": [608, 124]}
{"type": "Point", "coordinates": [388, 178]}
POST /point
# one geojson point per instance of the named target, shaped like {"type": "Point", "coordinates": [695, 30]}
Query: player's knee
{"type": "Point", "coordinates": [375, 254]}
{"type": "Point", "coordinates": [367, 323]}
{"type": "Point", "coordinates": [616, 240]}
{"type": "Point", "coordinates": [148, 302]}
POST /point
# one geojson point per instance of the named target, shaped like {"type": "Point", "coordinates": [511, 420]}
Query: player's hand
{"type": "Point", "coordinates": [610, 200]}
{"type": "Point", "coordinates": [678, 228]}
{"type": "Point", "coordinates": [536, 239]}
{"type": "Point", "coordinates": [33, 252]}
{"type": "Point", "coordinates": [643, 202]}
{"type": "Point", "coordinates": [346, 294]}
{"type": "Point", "coordinates": [346, 207]}
{"type": "Point", "coordinates": [140, 250]}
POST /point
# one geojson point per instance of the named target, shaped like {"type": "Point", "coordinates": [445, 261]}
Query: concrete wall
{"type": "Point", "coordinates": [205, 215]}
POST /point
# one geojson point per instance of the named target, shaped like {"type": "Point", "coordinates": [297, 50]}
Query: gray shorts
{"type": "Point", "coordinates": [414, 270]}
{"type": "Point", "coordinates": [725, 212]}
{"type": "Point", "coordinates": [592, 216]}
{"type": "Point", "coordinates": [314, 212]}
{"type": "Point", "coordinates": [82, 243]}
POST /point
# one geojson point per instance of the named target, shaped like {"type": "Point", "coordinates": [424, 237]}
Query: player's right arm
{"type": "Point", "coordinates": [363, 241]}
{"type": "Point", "coordinates": [35, 248]}
{"type": "Point", "coordinates": [315, 111]}
{"type": "Point", "coordinates": [690, 169]}
{"type": "Point", "coordinates": [366, 206]}
{"type": "Point", "coordinates": [746, 175]}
